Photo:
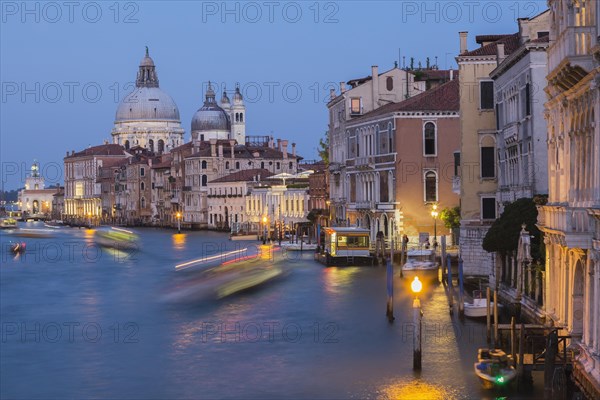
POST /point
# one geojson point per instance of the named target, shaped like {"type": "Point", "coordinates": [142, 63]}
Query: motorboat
{"type": "Point", "coordinates": [55, 224]}
{"type": "Point", "coordinates": [478, 308]}
{"type": "Point", "coordinates": [493, 367]}
{"type": "Point", "coordinates": [420, 261]}
{"type": "Point", "coordinates": [35, 233]}
{"type": "Point", "coordinates": [17, 248]}
{"type": "Point", "coordinates": [345, 246]}
{"type": "Point", "coordinates": [116, 238]}
{"type": "Point", "coordinates": [8, 223]}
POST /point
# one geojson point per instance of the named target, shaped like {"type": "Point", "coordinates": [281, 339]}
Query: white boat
{"type": "Point", "coordinates": [478, 308]}
{"type": "Point", "coordinates": [116, 238]}
{"type": "Point", "coordinates": [298, 246]}
{"type": "Point", "coordinates": [420, 261]}
{"type": "Point", "coordinates": [493, 367]}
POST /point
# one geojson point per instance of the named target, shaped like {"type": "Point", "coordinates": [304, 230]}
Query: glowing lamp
{"type": "Point", "coordinates": [416, 285]}
{"type": "Point", "coordinates": [264, 220]}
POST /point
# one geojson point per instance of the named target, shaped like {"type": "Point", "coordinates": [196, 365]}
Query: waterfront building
{"type": "Point", "coordinates": [35, 198]}
{"type": "Point", "coordinates": [148, 116]}
{"type": "Point", "coordinates": [477, 176]}
{"type": "Point", "coordinates": [82, 191]}
{"type": "Point", "coordinates": [215, 158]}
{"type": "Point", "coordinates": [283, 206]}
{"type": "Point", "coordinates": [162, 192]}
{"type": "Point", "coordinates": [571, 218]}
{"type": "Point", "coordinates": [400, 164]}
{"type": "Point", "coordinates": [58, 204]}
{"type": "Point", "coordinates": [355, 98]}
{"type": "Point", "coordinates": [226, 199]}
{"type": "Point", "coordinates": [318, 191]}
{"type": "Point", "coordinates": [521, 147]}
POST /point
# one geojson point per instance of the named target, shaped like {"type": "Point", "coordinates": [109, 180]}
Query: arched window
{"type": "Point", "coordinates": [204, 164]}
{"type": "Point", "coordinates": [278, 165]}
{"type": "Point", "coordinates": [161, 146]}
{"type": "Point", "coordinates": [143, 202]}
{"type": "Point", "coordinates": [151, 145]}
{"type": "Point", "coordinates": [262, 164]}
{"type": "Point", "coordinates": [241, 117]}
{"type": "Point", "coordinates": [237, 117]}
{"type": "Point", "coordinates": [204, 180]}
{"type": "Point", "coordinates": [127, 145]}
{"type": "Point", "coordinates": [389, 83]}
{"type": "Point", "coordinates": [429, 144]}
{"type": "Point", "coordinates": [237, 165]}
{"type": "Point", "coordinates": [226, 164]}
{"type": "Point", "coordinates": [430, 187]}
{"type": "Point", "coordinates": [291, 166]}
{"type": "Point", "coordinates": [142, 186]}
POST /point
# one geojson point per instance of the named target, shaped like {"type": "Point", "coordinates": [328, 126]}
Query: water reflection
{"type": "Point", "coordinates": [179, 241]}
{"type": "Point", "coordinates": [337, 280]}
{"type": "Point", "coordinates": [417, 390]}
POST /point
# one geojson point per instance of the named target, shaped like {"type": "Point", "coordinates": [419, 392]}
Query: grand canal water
{"type": "Point", "coordinates": [79, 322]}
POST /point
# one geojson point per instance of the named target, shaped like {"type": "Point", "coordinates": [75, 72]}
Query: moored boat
{"type": "Point", "coordinates": [299, 246]}
{"type": "Point", "coordinates": [478, 308]}
{"type": "Point", "coordinates": [17, 247]}
{"type": "Point", "coordinates": [493, 368]}
{"type": "Point", "coordinates": [420, 262]}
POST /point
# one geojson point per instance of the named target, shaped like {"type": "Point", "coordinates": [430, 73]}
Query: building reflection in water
{"type": "Point", "coordinates": [417, 390]}
{"type": "Point", "coordinates": [337, 280]}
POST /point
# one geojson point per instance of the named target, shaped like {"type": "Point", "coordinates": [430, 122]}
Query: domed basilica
{"type": "Point", "coordinates": [148, 117]}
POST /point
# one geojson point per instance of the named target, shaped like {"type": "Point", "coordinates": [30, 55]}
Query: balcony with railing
{"type": "Point", "coordinates": [365, 205]}
{"type": "Point", "coordinates": [510, 133]}
{"type": "Point", "coordinates": [573, 223]}
{"type": "Point", "coordinates": [571, 50]}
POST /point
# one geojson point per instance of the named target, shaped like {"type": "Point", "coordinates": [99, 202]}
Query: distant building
{"type": "Point", "coordinates": [58, 204]}
{"type": "Point", "coordinates": [571, 218]}
{"type": "Point", "coordinates": [83, 197]}
{"type": "Point", "coordinates": [35, 198]}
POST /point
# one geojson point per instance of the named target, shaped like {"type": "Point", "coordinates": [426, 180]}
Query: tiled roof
{"type": "Point", "coordinates": [114, 162]}
{"type": "Point", "coordinates": [102, 150]}
{"type": "Point", "coordinates": [489, 38]}
{"type": "Point", "coordinates": [435, 74]}
{"type": "Point", "coordinates": [165, 163]}
{"type": "Point", "coordinates": [241, 151]}
{"type": "Point", "coordinates": [244, 176]}
{"type": "Point", "coordinates": [511, 43]}
{"type": "Point", "coordinates": [442, 98]}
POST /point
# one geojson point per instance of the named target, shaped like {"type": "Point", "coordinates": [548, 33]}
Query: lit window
{"type": "Point", "coordinates": [430, 187]}
{"type": "Point", "coordinates": [355, 105]}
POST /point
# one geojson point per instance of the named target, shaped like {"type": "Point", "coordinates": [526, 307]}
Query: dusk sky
{"type": "Point", "coordinates": [64, 70]}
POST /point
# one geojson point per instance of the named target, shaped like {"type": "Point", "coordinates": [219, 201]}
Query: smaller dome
{"type": "Point", "coordinates": [210, 117]}
{"type": "Point", "coordinates": [225, 99]}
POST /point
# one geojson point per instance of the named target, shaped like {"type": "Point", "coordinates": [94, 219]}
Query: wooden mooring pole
{"type": "Point", "coordinates": [488, 315]}
{"type": "Point", "coordinates": [513, 340]}
{"type": "Point", "coordinates": [496, 317]}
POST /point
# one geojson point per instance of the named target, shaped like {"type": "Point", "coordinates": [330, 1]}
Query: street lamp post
{"type": "Point", "coordinates": [434, 215]}
{"type": "Point", "coordinates": [178, 222]}
{"type": "Point", "coordinates": [264, 221]}
{"type": "Point", "coordinates": [416, 287]}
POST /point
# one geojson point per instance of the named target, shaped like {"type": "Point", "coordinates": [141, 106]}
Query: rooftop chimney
{"type": "Point", "coordinates": [213, 147]}
{"type": "Point", "coordinates": [500, 54]}
{"type": "Point", "coordinates": [451, 74]}
{"type": "Point", "coordinates": [332, 94]}
{"type": "Point", "coordinates": [375, 82]}
{"type": "Point", "coordinates": [342, 87]}
{"type": "Point", "coordinates": [463, 42]}
{"type": "Point", "coordinates": [294, 149]}
{"type": "Point", "coordinates": [279, 144]}
{"type": "Point", "coordinates": [284, 144]}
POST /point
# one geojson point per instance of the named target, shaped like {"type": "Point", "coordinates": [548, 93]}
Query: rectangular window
{"type": "Point", "coordinates": [488, 167]}
{"type": "Point", "coordinates": [78, 189]}
{"type": "Point", "coordinates": [527, 100]}
{"type": "Point", "coordinates": [142, 171]}
{"type": "Point", "coordinates": [488, 208]}
{"type": "Point", "coordinates": [486, 95]}
{"type": "Point", "coordinates": [456, 162]}
{"type": "Point", "coordinates": [355, 105]}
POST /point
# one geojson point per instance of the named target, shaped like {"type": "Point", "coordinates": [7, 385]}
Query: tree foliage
{"type": "Point", "coordinates": [451, 217]}
{"type": "Point", "coordinates": [324, 148]}
{"type": "Point", "coordinates": [503, 236]}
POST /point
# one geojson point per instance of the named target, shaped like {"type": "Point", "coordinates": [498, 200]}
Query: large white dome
{"type": "Point", "coordinates": [147, 102]}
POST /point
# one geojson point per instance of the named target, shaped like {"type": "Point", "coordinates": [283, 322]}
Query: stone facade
{"type": "Point", "coordinates": [571, 218]}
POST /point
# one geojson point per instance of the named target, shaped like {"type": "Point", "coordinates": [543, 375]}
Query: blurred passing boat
{"type": "Point", "coordinates": [55, 224]}
{"type": "Point", "coordinates": [8, 223]}
{"type": "Point", "coordinates": [33, 233]}
{"type": "Point", "coordinates": [227, 278]}
{"type": "Point", "coordinates": [116, 238]}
